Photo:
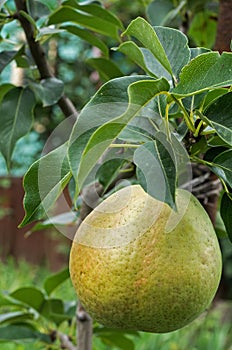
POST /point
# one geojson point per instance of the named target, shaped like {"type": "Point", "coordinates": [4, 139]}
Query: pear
{"type": "Point", "coordinates": [137, 264]}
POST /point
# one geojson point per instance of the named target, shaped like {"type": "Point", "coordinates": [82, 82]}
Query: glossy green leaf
{"type": "Point", "coordinates": [6, 57]}
{"type": "Point", "coordinates": [212, 95]}
{"type": "Point", "coordinates": [49, 90]}
{"type": "Point", "coordinates": [109, 171]}
{"type": "Point", "coordinates": [196, 51]}
{"type": "Point", "coordinates": [44, 182]}
{"type": "Point", "coordinates": [46, 32]}
{"type": "Point", "coordinates": [222, 166]}
{"type": "Point", "coordinates": [141, 128]}
{"type": "Point", "coordinates": [213, 152]}
{"type": "Point", "coordinates": [219, 114]}
{"type": "Point", "coordinates": [225, 211]}
{"type": "Point", "coordinates": [216, 141]}
{"type": "Point", "coordinates": [110, 101]}
{"type": "Point", "coordinates": [31, 296]}
{"type": "Point", "coordinates": [16, 316]}
{"type": "Point", "coordinates": [53, 281]}
{"type": "Point", "coordinates": [64, 219]}
{"type": "Point", "coordinates": [132, 51]}
{"type": "Point", "coordinates": [98, 24]}
{"type": "Point", "coordinates": [4, 89]}
{"type": "Point", "coordinates": [106, 68]}
{"type": "Point", "coordinates": [51, 4]}
{"type": "Point", "coordinates": [95, 9]}
{"type": "Point", "coordinates": [17, 332]}
{"type": "Point", "coordinates": [53, 310]}
{"type": "Point", "coordinates": [16, 116]}
{"type": "Point", "coordinates": [70, 308]}
{"type": "Point", "coordinates": [140, 94]}
{"type": "Point", "coordinates": [206, 71]}
{"type": "Point", "coordinates": [156, 169]}
{"type": "Point", "coordinates": [87, 36]}
{"type": "Point", "coordinates": [199, 147]}
{"type": "Point", "coordinates": [175, 45]}
{"type": "Point", "coordinates": [143, 31]}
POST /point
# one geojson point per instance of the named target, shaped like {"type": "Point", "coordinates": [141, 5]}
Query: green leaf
{"type": "Point", "coordinates": [118, 340]}
{"type": "Point", "coordinates": [158, 10]}
{"type": "Point", "coordinates": [95, 9]}
{"type": "Point", "coordinates": [143, 31]}
{"type": "Point", "coordinates": [131, 50]}
{"type": "Point", "coordinates": [142, 128]}
{"type": "Point", "coordinates": [140, 94]}
{"type": "Point", "coordinates": [205, 72]}
{"type": "Point", "coordinates": [175, 45]}
{"type": "Point", "coordinates": [18, 332]}
{"type": "Point", "coordinates": [87, 36]}
{"type": "Point", "coordinates": [64, 219]}
{"type": "Point", "coordinates": [44, 182]}
{"type": "Point", "coordinates": [113, 97]}
{"type": "Point", "coordinates": [92, 22]}
{"type": "Point", "coordinates": [156, 169]}
{"type": "Point", "coordinates": [222, 166]}
{"type": "Point", "coordinates": [31, 296]}
{"type": "Point", "coordinates": [109, 170]}
{"type": "Point", "coordinates": [213, 95]}
{"type": "Point", "coordinates": [6, 300]}
{"type": "Point", "coordinates": [16, 116]}
{"type": "Point", "coordinates": [219, 114]}
{"type": "Point", "coordinates": [4, 89]}
{"type": "Point", "coordinates": [196, 51]}
{"type": "Point", "coordinates": [203, 29]}
{"type": "Point", "coordinates": [55, 280]}
{"type": "Point", "coordinates": [16, 316]}
{"type": "Point", "coordinates": [6, 57]}
{"type": "Point", "coordinates": [53, 310]}
{"type": "Point", "coordinates": [213, 152]}
{"type": "Point", "coordinates": [49, 90]}
{"type": "Point", "coordinates": [225, 211]}
{"type": "Point", "coordinates": [2, 2]}
{"type": "Point", "coordinates": [106, 68]}
{"type": "Point", "coordinates": [51, 4]}
{"type": "Point", "coordinates": [46, 32]}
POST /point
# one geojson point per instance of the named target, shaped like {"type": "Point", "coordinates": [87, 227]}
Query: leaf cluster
{"type": "Point", "coordinates": [155, 124]}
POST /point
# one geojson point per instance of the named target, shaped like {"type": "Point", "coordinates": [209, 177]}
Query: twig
{"type": "Point", "coordinates": [39, 57]}
{"type": "Point", "coordinates": [65, 342]}
{"type": "Point", "coordinates": [85, 329]}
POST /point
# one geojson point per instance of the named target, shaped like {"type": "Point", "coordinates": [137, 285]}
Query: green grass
{"type": "Point", "coordinates": [213, 330]}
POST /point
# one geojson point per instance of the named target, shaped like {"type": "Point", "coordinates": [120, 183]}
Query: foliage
{"type": "Point", "coordinates": [183, 105]}
{"type": "Point", "coordinates": [170, 109]}
{"type": "Point", "coordinates": [198, 19]}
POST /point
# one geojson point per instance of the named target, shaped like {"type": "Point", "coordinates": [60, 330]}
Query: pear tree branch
{"type": "Point", "coordinates": [39, 56]}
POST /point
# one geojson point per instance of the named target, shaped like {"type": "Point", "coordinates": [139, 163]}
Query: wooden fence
{"type": "Point", "coordinates": [38, 247]}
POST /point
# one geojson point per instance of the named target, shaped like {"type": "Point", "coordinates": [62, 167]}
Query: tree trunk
{"type": "Point", "coordinates": [224, 29]}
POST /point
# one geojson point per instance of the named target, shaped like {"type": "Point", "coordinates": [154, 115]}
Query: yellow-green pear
{"type": "Point", "coordinates": [137, 264]}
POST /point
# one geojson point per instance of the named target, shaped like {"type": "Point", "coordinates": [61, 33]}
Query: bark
{"type": "Point", "coordinates": [39, 56]}
{"type": "Point", "coordinates": [224, 29]}
{"type": "Point", "coordinates": [84, 329]}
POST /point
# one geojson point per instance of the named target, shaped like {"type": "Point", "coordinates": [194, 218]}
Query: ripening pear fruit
{"type": "Point", "coordinates": [137, 264]}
